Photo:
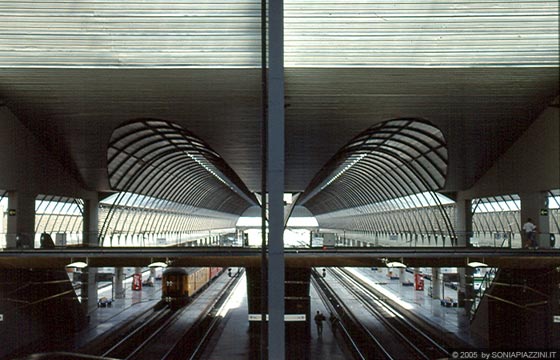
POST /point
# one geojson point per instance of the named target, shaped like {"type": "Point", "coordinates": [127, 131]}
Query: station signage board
{"type": "Point", "coordinates": [287, 317]}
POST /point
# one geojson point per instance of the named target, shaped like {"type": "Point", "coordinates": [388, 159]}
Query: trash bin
{"type": "Point", "coordinates": [137, 282]}
{"type": "Point", "coordinates": [418, 282]}
{"type": "Point", "coordinates": [47, 241]}
{"type": "Point", "coordinates": [24, 241]}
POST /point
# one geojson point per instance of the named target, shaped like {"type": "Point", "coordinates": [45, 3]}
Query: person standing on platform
{"type": "Point", "coordinates": [334, 322]}
{"type": "Point", "coordinates": [319, 318]}
{"type": "Point", "coordinates": [530, 230]}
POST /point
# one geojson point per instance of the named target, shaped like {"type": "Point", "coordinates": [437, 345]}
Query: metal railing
{"type": "Point", "coordinates": [480, 288]}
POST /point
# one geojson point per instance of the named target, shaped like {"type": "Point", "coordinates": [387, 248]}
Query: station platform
{"type": "Point", "coordinates": [120, 311]}
{"type": "Point", "coordinates": [232, 340]}
{"type": "Point", "coordinates": [452, 320]}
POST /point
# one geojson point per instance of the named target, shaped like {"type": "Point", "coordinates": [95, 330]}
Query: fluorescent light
{"type": "Point", "coordinates": [396, 264]}
{"type": "Point", "coordinates": [77, 264]}
{"type": "Point", "coordinates": [157, 264]}
{"type": "Point", "coordinates": [476, 264]}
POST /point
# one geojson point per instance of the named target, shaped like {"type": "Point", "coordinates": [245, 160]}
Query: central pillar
{"type": "Point", "coordinates": [464, 217]}
{"type": "Point", "coordinates": [90, 232]}
{"type": "Point", "coordinates": [275, 182]}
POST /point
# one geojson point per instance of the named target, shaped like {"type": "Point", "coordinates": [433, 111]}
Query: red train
{"type": "Point", "coordinates": [178, 285]}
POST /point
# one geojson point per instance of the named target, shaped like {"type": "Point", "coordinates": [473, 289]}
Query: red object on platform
{"type": "Point", "coordinates": [137, 282]}
{"type": "Point", "coordinates": [418, 282]}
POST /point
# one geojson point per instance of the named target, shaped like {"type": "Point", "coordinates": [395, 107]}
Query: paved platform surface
{"type": "Point", "coordinates": [233, 342]}
{"type": "Point", "coordinates": [449, 319]}
{"type": "Point", "coordinates": [103, 319]}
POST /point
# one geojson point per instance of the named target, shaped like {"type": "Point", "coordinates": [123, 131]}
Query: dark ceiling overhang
{"type": "Point", "coordinates": [480, 111]}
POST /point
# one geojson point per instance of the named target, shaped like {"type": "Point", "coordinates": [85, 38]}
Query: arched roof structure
{"type": "Point", "coordinates": [395, 165]}
{"type": "Point", "coordinates": [389, 160]}
{"type": "Point", "coordinates": [161, 160]}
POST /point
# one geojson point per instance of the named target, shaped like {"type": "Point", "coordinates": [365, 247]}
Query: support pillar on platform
{"type": "Point", "coordinates": [21, 220]}
{"type": "Point", "coordinates": [119, 283]}
{"type": "Point", "coordinates": [436, 283]}
{"type": "Point", "coordinates": [535, 206]}
{"type": "Point", "coordinates": [463, 227]}
{"type": "Point", "coordinates": [90, 233]}
{"type": "Point", "coordinates": [464, 235]}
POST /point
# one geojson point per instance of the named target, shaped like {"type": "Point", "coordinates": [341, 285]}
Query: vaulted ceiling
{"type": "Point", "coordinates": [480, 72]}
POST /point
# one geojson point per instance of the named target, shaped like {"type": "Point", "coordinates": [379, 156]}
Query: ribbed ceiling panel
{"type": "Point", "coordinates": [318, 33]}
{"type": "Point", "coordinates": [159, 159]}
{"type": "Point", "coordinates": [198, 33]}
{"type": "Point", "coordinates": [421, 33]}
{"type": "Point", "coordinates": [389, 160]}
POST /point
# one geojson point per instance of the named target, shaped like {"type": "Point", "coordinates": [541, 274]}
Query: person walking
{"type": "Point", "coordinates": [530, 230]}
{"type": "Point", "coordinates": [319, 318]}
{"type": "Point", "coordinates": [334, 322]}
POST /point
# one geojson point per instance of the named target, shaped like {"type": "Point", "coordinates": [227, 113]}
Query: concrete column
{"type": "Point", "coordinates": [466, 292]}
{"type": "Point", "coordinates": [535, 206]}
{"type": "Point", "coordinates": [90, 231]}
{"type": "Point", "coordinates": [119, 283]}
{"type": "Point", "coordinates": [275, 181]}
{"type": "Point", "coordinates": [436, 284]}
{"type": "Point", "coordinates": [463, 227]}
{"type": "Point", "coordinates": [21, 220]}
{"type": "Point", "coordinates": [91, 223]}
{"type": "Point", "coordinates": [464, 233]}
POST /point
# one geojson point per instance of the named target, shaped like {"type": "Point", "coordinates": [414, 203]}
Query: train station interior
{"type": "Point", "coordinates": [290, 151]}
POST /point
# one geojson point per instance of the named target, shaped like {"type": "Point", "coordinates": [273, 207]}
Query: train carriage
{"type": "Point", "coordinates": [180, 284]}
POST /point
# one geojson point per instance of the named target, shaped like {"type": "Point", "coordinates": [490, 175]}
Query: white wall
{"type": "Point", "coordinates": [532, 164]}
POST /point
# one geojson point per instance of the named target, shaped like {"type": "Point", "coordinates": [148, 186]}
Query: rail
{"type": "Point", "coordinates": [420, 344]}
{"type": "Point", "coordinates": [361, 342]}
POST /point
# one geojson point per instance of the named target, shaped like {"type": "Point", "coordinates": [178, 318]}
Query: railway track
{"type": "Point", "coordinates": [377, 330]}
{"type": "Point", "coordinates": [163, 333]}
{"type": "Point", "coordinates": [361, 343]}
{"type": "Point", "coordinates": [134, 341]}
{"type": "Point", "coordinates": [179, 341]}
